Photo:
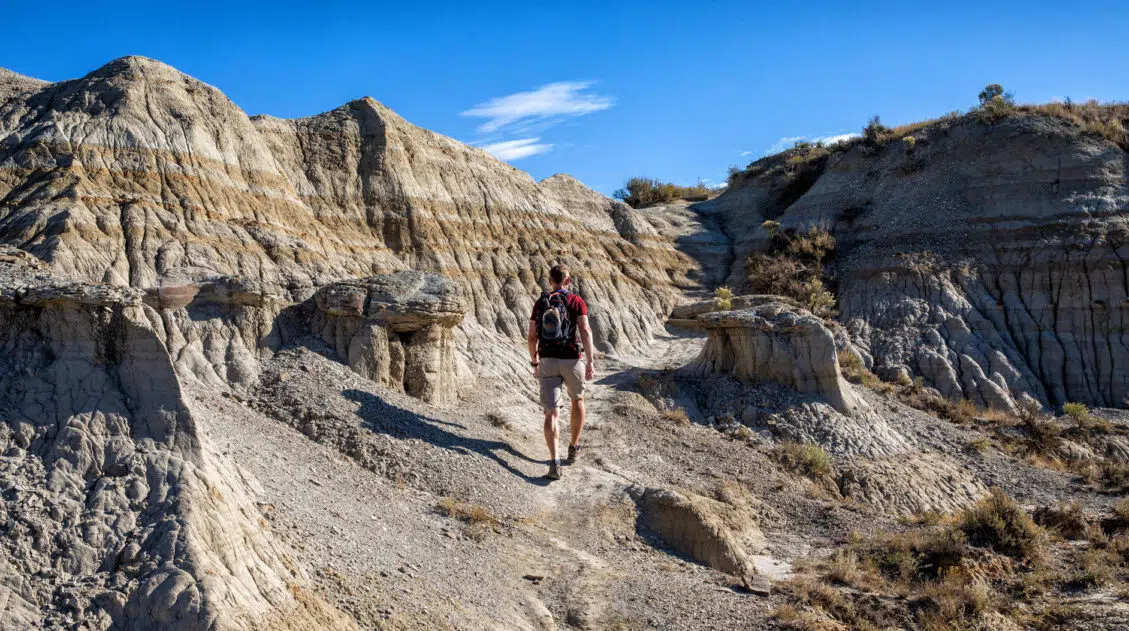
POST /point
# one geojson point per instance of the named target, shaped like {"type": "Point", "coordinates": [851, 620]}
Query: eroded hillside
{"type": "Point", "coordinates": [987, 256]}
{"type": "Point", "coordinates": [270, 374]}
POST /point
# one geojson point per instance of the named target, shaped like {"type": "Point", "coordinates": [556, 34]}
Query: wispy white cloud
{"type": "Point", "coordinates": [784, 143]}
{"type": "Point", "coordinates": [746, 153]}
{"type": "Point", "coordinates": [832, 139]}
{"type": "Point", "coordinates": [517, 149]}
{"type": "Point", "coordinates": [828, 139]}
{"type": "Point", "coordinates": [560, 100]}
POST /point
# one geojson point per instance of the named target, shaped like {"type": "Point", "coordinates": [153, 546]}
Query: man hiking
{"type": "Point", "coordinates": [558, 317]}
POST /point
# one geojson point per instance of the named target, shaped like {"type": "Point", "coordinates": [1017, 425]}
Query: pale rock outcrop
{"type": "Point", "coordinates": [990, 259]}
{"type": "Point", "coordinates": [136, 172]}
{"type": "Point", "coordinates": [117, 512]}
{"type": "Point", "coordinates": [911, 483]}
{"type": "Point", "coordinates": [711, 532]}
{"type": "Point", "coordinates": [395, 329]}
{"type": "Point", "coordinates": [775, 342]}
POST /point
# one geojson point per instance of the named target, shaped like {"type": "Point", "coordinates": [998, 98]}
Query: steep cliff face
{"type": "Point", "coordinates": [116, 508]}
{"type": "Point", "coordinates": [136, 173]}
{"type": "Point", "coordinates": [989, 258]}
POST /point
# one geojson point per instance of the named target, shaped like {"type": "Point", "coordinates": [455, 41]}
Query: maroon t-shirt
{"type": "Point", "coordinates": [570, 349]}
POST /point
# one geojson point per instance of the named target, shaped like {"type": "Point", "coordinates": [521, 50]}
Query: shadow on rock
{"type": "Point", "coordinates": [382, 417]}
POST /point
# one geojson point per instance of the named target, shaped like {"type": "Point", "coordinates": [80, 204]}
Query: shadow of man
{"type": "Point", "coordinates": [382, 417]}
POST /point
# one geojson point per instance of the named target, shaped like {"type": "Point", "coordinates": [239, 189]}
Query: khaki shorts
{"type": "Point", "coordinates": [555, 371]}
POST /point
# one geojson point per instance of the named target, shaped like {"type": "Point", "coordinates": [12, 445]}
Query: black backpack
{"type": "Point", "coordinates": [554, 327]}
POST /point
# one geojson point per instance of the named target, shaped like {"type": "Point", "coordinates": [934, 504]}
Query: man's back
{"type": "Point", "coordinates": [568, 348]}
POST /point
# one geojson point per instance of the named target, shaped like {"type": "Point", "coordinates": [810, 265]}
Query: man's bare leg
{"type": "Point", "coordinates": [576, 421]}
{"type": "Point", "coordinates": [552, 432]}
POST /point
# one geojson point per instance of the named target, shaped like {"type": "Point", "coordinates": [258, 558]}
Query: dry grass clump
{"type": "Point", "coordinates": [1107, 475]}
{"type": "Point", "coordinates": [945, 573]}
{"type": "Point", "coordinates": [469, 513]}
{"type": "Point", "coordinates": [677, 416]}
{"type": "Point", "coordinates": [498, 420]}
{"type": "Point", "coordinates": [809, 460]}
{"type": "Point", "coordinates": [916, 395]}
{"type": "Point", "coordinates": [1069, 442]}
{"type": "Point", "coordinates": [796, 266]}
{"type": "Point", "coordinates": [477, 520]}
{"type": "Point", "coordinates": [1068, 521]}
{"type": "Point", "coordinates": [657, 387]}
{"type": "Point", "coordinates": [1108, 120]}
{"type": "Point", "coordinates": [973, 570]}
{"type": "Point", "coordinates": [723, 299]}
{"type": "Point", "coordinates": [949, 602]}
{"type": "Point", "coordinates": [828, 609]}
{"type": "Point", "coordinates": [1121, 510]}
{"type": "Point", "coordinates": [855, 371]}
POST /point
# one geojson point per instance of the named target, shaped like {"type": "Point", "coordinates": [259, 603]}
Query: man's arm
{"type": "Point", "coordinates": [589, 351]}
{"type": "Point", "coordinates": [531, 337]}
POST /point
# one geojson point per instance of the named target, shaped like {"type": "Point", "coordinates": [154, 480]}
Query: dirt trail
{"type": "Point", "coordinates": [354, 477]}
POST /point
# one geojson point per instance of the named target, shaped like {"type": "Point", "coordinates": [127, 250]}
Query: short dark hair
{"type": "Point", "coordinates": [559, 274]}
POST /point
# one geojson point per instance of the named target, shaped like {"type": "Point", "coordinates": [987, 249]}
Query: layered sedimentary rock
{"type": "Point", "coordinates": [116, 509]}
{"type": "Point", "coordinates": [395, 329]}
{"type": "Point", "coordinates": [775, 342]}
{"type": "Point", "coordinates": [988, 258]}
{"type": "Point", "coordinates": [136, 172]}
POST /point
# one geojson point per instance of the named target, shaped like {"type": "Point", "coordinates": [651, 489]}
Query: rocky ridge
{"type": "Point", "coordinates": [988, 257]}
{"type": "Point", "coordinates": [137, 173]}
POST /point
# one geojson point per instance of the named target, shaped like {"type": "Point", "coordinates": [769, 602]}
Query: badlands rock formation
{"type": "Point", "coordinates": [116, 509]}
{"type": "Point", "coordinates": [989, 259]}
{"type": "Point", "coordinates": [231, 352]}
{"type": "Point", "coordinates": [395, 329]}
{"type": "Point", "coordinates": [137, 174]}
{"type": "Point", "coordinates": [165, 235]}
{"type": "Point", "coordinates": [771, 341]}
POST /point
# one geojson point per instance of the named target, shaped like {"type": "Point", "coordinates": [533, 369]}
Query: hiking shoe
{"type": "Point", "coordinates": [554, 472]}
{"type": "Point", "coordinates": [573, 453]}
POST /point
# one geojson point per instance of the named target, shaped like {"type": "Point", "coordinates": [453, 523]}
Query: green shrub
{"type": "Point", "coordinates": [994, 91]}
{"type": "Point", "coordinates": [642, 191]}
{"type": "Point", "coordinates": [875, 133]}
{"type": "Point", "coordinates": [995, 102]}
{"type": "Point", "coordinates": [794, 267]}
{"type": "Point", "coordinates": [910, 142]}
{"type": "Point", "coordinates": [771, 227]}
{"type": "Point", "coordinates": [997, 522]}
{"type": "Point", "coordinates": [1077, 411]}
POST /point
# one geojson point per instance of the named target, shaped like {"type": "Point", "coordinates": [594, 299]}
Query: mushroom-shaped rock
{"type": "Point", "coordinates": [395, 329]}
{"type": "Point", "coordinates": [775, 341]}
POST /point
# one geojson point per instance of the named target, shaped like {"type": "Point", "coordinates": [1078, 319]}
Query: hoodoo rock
{"type": "Point", "coordinates": [396, 330]}
{"type": "Point", "coordinates": [773, 342]}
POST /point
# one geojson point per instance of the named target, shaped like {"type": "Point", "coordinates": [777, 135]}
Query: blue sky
{"type": "Point", "coordinates": [603, 91]}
